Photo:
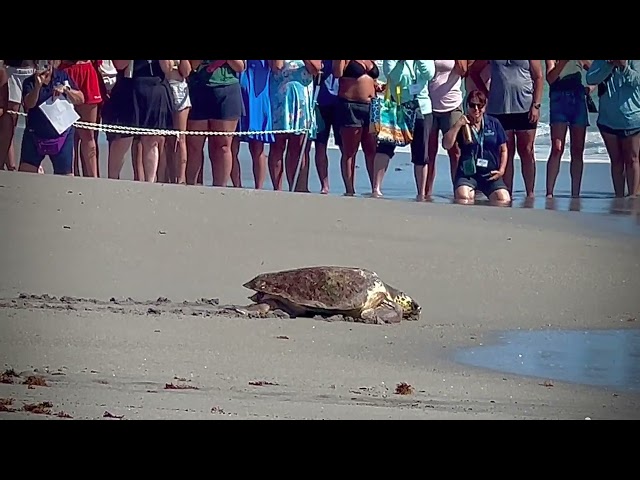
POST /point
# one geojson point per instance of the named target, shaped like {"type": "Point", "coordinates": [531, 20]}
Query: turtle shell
{"type": "Point", "coordinates": [322, 287]}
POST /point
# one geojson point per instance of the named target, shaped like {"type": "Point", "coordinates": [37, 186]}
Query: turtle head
{"type": "Point", "coordinates": [410, 308]}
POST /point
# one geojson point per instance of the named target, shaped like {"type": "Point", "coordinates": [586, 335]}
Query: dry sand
{"type": "Point", "coordinates": [101, 239]}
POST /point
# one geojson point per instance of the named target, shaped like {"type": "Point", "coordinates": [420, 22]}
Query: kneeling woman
{"type": "Point", "coordinates": [40, 138]}
{"type": "Point", "coordinates": [483, 157]}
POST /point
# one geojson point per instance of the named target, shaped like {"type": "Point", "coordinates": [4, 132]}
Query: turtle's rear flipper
{"type": "Point", "coordinates": [386, 312]}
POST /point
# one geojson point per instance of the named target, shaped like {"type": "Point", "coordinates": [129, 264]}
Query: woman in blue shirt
{"type": "Point", "coordinates": [483, 160]}
{"type": "Point", "coordinates": [619, 119]}
{"type": "Point", "coordinates": [41, 138]}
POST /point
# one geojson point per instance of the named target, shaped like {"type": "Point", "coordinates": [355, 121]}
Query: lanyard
{"type": "Point", "coordinates": [479, 137]}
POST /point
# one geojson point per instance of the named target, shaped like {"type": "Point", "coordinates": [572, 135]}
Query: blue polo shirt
{"type": "Point", "coordinates": [494, 136]}
{"type": "Point", "coordinates": [37, 123]}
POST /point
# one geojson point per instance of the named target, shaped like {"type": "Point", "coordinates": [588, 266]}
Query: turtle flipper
{"type": "Point", "coordinates": [253, 308]}
{"type": "Point", "coordinates": [386, 312]}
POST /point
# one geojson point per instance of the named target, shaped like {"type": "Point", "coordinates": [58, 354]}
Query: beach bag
{"type": "Point", "coordinates": [50, 146]}
{"type": "Point", "coordinates": [393, 122]}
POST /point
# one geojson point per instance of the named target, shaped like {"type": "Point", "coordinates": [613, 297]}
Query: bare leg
{"type": "Point", "coordinates": [256, 148]}
{"type": "Point", "coordinates": [88, 146]}
{"type": "Point", "coordinates": [136, 159]}
{"type": "Point", "coordinates": [432, 154]}
{"type": "Point", "coordinates": [614, 149]}
{"type": "Point", "coordinates": [511, 153]}
{"type": "Point", "coordinates": [630, 152]}
{"type": "Point", "coordinates": [303, 178]}
{"type": "Point", "coordinates": [118, 148]}
{"type": "Point", "coordinates": [525, 145]}
{"type": "Point", "coordinates": [350, 142]}
{"type": "Point", "coordinates": [195, 150]}
{"type": "Point", "coordinates": [292, 158]}
{"type": "Point", "coordinates": [276, 155]}
{"type": "Point", "coordinates": [558, 137]}
{"type": "Point", "coordinates": [322, 166]}
{"type": "Point", "coordinates": [578, 136]}
{"type": "Point", "coordinates": [369, 144]}
{"type": "Point", "coordinates": [8, 124]}
{"type": "Point", "coordinates": [150, 156]}
{"type": "Point", "coordinates": [380, 166]}
{"type": "Point", "coordinates": [236, 175]}
{"type": "Point", "coordinates": [220, 151]}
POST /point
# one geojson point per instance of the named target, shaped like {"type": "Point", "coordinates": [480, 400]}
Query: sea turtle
{"type": "Point", "coordinates": [331, 290]}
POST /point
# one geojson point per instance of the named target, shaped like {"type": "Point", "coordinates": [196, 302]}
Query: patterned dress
{"type": "Point", "coordinates": [292, 97]}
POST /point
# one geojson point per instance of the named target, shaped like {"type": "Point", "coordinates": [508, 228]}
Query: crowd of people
{"type": "Point", "coordinates": [484, 111]}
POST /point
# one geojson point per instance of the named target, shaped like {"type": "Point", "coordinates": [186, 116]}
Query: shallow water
{"type": "Point", "coordinates": [596, 197]}
{"type": "Point", "coordinates": [602, 358]}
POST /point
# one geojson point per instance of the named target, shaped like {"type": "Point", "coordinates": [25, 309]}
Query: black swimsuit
{"type": "Point", "coordinates": [356, 70]}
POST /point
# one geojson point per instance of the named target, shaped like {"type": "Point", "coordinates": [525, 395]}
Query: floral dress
{"type": "Point", "coordinates": [292, 97]}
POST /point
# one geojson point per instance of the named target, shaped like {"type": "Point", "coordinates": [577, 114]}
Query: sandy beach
{"type": "Point", "coordinates": [475, 270]}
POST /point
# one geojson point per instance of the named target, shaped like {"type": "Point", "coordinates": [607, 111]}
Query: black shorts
{"type": "Point", "coordinates": [478, 182]}
{"type": "Point", "coordinates": [353, 114]}
{"type": "Point", "coordinates": [222, 102]}
{"type": "Point", "coordinates": [619, 133]}
{"type": "Point", "coordinates": [420, 144]}
{"type": "Point", "coordinates": [329, 121]}
{"type": "Point", "coordinates": [518, 122]}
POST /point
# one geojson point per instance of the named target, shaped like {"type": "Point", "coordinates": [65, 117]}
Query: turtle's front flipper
{"type": "Point", "coordinates": [261, 308]}
{"type": "Point", "coordinates": [386, 312]}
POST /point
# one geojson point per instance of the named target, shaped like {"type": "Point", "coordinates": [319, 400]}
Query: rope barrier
{"type": "Point", "coordinates": [101, 127]}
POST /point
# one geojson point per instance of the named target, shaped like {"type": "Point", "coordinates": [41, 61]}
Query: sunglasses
{"type": "Point", "coordinates": [479, 106]}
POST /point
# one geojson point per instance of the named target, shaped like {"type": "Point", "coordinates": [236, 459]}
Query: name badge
{"type": "Point", "coordinates": [415, 89]}
{"type": "Point", "coordinates": [482, 163]}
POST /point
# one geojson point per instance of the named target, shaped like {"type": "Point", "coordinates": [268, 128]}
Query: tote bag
{"type": "Point", "coordinates": [393, 122]}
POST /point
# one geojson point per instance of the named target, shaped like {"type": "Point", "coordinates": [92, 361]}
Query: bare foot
{"type": "Point", "coordinates": [376, 194]}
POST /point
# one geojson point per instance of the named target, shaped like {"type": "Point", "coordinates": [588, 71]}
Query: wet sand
{"type": "Point", "coordinates": [98, 239]}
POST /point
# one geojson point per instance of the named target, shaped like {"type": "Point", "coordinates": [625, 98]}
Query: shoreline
{"type": "Point", "coordinates": [88, 239]}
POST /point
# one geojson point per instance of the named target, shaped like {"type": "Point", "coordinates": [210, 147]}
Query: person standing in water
{"type": "Point", "coordinates": [567, 110]}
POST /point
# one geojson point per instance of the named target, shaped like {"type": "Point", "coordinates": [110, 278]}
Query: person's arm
{"type": "Point", "coordinates": [535, 67]}
{"type": "Point", "coordinates": [598, 72]}
{"type": "Point", "coordinates": [630, 71]}
{"type": "Point", "coordinates": [195, 63]}
{"type": "Point", "coordinates": [475, 73]}
{"type": "Point", "coordinates": [387, 66]}
{"type": "Point", "coordinates": [586, 64]}
{"type": "Point", "coordinates": [501, 138]}
{"type": "Point", "coordinates": [31, 90]}
{"type": "Point", "coordinates": [120, 64]}
{"type": "Point", "coordinates": [166, 66]}
{"type": "Point", "coordinates": [70, 90]}
{"type": "Point", "coordinates": [425, 70]}
{"type": "Point", "coordinates": [554, 69]}
{"type": "Point", "coordinates": [184, 68]}
{"type": "Point", "coordinates": [449, 139]}
{"type": "Point", "coordinates": [74, 95]}
{"type": "Point", "coordinates": [238, 66]}
{"type": "Point", "coordinates": [276, 64]}
{"type": "Point", "coordinates": [461, 67]}
{"type": "Point", "coordinates": [338, 68]}
{"type": "Point", "coordinates": [313, 66]}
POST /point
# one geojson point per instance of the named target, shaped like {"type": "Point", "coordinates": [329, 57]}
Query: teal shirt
{"type": "Point", "coordinates": [404, 73]}
{"type": "Point", "coordinates": [620, 104]}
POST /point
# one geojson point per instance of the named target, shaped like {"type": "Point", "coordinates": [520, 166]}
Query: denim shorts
{"type": "Point", "coordinates": [569, 107]}
{"type": "Point", "coordinates": [62, 162]}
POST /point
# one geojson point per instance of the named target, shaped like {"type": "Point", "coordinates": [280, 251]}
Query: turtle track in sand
{"type": "Point", "coordinates": [204, 307]}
